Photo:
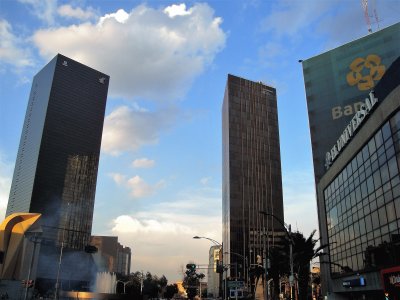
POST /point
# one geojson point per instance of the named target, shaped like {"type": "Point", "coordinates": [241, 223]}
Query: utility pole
{"type": "Point", "coordinates": [265, 266]}
{"type": "Point", "coordinates": [222, 262]}
{"type": "Point", "coordinates": [141, 285]}
{"type": "Point", "coordinates": [288, 230]}
{"type": "Point", "coordinates": [236, 282]}
{"type": "Point", "coordinates": [291, 278]}
{"type": "Point", "coordinates": [35, 239]}
{"type": "Point", "coordinates": [61, 255]}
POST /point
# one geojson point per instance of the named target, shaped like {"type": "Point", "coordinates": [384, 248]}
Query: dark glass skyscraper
{"type": "Point", "coordinates": [56, 169]}
{"type": "Point", "coordinates": [252, 179]}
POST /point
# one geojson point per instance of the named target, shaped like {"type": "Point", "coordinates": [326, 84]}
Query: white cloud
{"type": "Point", "coordinates": [300, 203]}
{"type": "Point", "coordinates": [347, 21]}
{"type": "Point", "coordinates": [118, 178]}
{"type": "Point", "coordinates": [137, 186]}
{"type": "Point", "coordinates": [336, 22]}
{"type": "Point", "coordinates": [205, 180]}
{"type": "Point", "coordinates": [300, 13]}
{"type": "Point", "coordinates": [143, 163]}
{"type": "Point", "coordinates": [121, 16]}
{"type": "Point", "coordinates": [148, 226]}
{"type": "Point", "coordinates": [68, 11]}
{"type": "Point", "coordinates": [11, 50]}
{"type": "Point", "coordinates": [162, 235]}
{"type": "Point", "coordinates": [127, 129]}
{"type": "Point", "coordinates": [177, 10]}
{"type": "Point", "coordinates": [159, 247]}
{"type": "Point", "coordinates": [271, 53]}
{"type": "Point", "coordinates": [146, 52]}
{"type": "Point", "coordinates": [44, 10]}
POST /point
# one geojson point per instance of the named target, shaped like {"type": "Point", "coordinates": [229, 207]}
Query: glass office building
{"type": "Point", "coordinates": [336, 82]}
{"type": "Point", "coordinates": [251, 172]}
{"type": "Point", "coordinates": [353, 109]}
{"type": "Point", "coordinates": [56, 168]}
{"type": "Point", "coordinates": [359, 201]}
{"type": "Point", "coordinates": [363, 202]}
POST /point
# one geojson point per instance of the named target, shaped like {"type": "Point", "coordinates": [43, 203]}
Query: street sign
{"type": "Point", "coordinates": [354, 282]}
{"type": "Point", "coordinates": [235, 284]}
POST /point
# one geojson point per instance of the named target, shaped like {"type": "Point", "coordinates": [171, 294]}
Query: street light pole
{"type": "Point", "coordinates": [265, 264]}
{"type": "Point", "coordinates": [291, 278]}
{"type": "Point", "coordinates": [246, 271]}
{"type": "Point", "coordinates": [236, 287]}
{"type": "Point", "coordinates": [35, 239]}
{"type": "Point", "coordinates": [59, 268]}
{"type": "Point", "coordinates": [141, 285]}
{"type": "Point", "coordinates": [61, 255]}
{"type": "Point", "coordinates": [289, 233]}
{"type": "Point", "coordinates": [212, 240]}
{"type": "Point", "coordinates": [124, 283]}
{"type": "Point", "coordinates": [222, 263]}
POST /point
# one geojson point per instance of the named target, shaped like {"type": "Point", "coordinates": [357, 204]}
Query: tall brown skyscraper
{"type": "Point", "coordinates": [252, 180]}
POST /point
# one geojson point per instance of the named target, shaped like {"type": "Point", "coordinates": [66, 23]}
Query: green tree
{"type": "Point", "coordinates": [279, 266]}
{"type": "Point", "coordinates": [170, 291]}
{"type": "Point", "coordinates": [162, 283]}
{"type": "Point", "coordinates": [153, 286]}
{"type": "Point", "coordinates": [150, 286]}
{"type": "Point", "coordinates": [303, 252]}
{"type": "Point", "coordinates": [191, 280]}
{"type": "Point", "coordinates": [134, 286]}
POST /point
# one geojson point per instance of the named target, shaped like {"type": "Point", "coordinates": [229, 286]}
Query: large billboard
{"type": "Point", "coordinates": [337, 83]}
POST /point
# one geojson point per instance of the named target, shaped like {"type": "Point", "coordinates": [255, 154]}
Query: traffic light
{"type": "Point", "coordinates": [220, 267]}
{"type": "Point", "coordinates": [191, 267]}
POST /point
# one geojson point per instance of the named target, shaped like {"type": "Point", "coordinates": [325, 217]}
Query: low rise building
{"type": "Point", "coordinates": [111, 256]}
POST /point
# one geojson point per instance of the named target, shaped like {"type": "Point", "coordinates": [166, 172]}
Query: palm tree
{"type": "Point", "coordinates": [279, 266]}
{"type": "Point", "coordinates": [303, 252]}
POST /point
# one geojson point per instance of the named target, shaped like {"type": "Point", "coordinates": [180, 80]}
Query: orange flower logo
{"type": "Point", "coordinates": [365, 80]}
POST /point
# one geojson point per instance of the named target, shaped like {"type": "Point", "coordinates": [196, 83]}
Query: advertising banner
{"type": "Point", "coordinates": [337, 83]}
{"type": "Point", "coordinates": [391, 283]}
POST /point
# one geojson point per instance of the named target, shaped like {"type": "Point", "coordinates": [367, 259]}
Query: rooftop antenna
{"type": "Point", "coordinates": [366, 15]}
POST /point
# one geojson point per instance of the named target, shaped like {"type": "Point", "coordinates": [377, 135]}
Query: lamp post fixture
{"type": "Point", "coordinates": [212, 240]}
{"type": "Point", "coordinates": [61, 255]}
{"type": "Point", "coordinates": [124, 283]}
{"type": "Point", "coordinates": [141, 284]}
{"type": "Point", "coordinates": [288, 230]}
{"type": "Point", "coordinates": [36, 239]}
{"type": "Point", "coordinates": [222, 263]}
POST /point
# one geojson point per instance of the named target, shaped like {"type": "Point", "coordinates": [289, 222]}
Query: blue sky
{"type": "Point", "coordinates": [159, 180]}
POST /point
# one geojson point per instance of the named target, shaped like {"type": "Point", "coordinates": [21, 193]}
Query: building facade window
{"type": "Point", "coordinates": [363, 201]}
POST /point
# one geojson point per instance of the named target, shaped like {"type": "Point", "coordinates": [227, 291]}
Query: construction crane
{"type": "Point", "coordinates": [367, 16]}
{"type": "Point", "coordinates": [376, 15]}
